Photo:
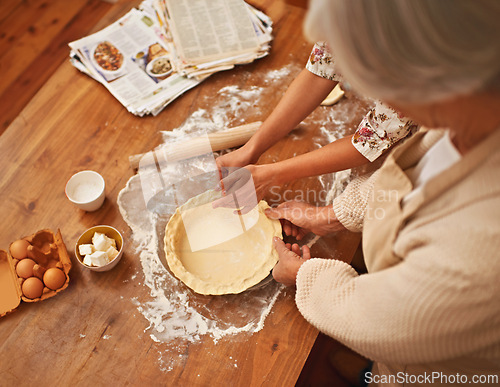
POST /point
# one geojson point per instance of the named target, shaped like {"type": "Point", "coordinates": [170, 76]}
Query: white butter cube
{"type": "Point", "coordinates": [87, 261]}
{"type": "Point", "coordinates": [101, 241]}
{"type": "Point", "coordinates": [86, 249]}
{"type": "Point", "coordinates": [112, 253]}
{"type": "Point", "coordinates": [98, 258]}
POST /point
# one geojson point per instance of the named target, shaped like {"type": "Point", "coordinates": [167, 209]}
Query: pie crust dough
{"type": "Point", "coordinates": [228, 267]}
{"type": "Point", "coordinates": [335, 95]}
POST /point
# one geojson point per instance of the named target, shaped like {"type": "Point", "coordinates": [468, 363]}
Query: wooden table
{"type": "Point", "coordinates": [91, 333]}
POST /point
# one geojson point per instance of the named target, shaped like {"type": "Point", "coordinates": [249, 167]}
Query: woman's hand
{"type": "Point", "coordinates": [291, 259]}
{"type": "Point", "coordinates": [299, 218]}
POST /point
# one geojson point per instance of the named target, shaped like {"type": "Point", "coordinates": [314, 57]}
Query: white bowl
{"type": "Point", "coordinates": [154, 62]}
{"type": "Point", "coordinates": [86, 238]}
{"type": "Point", "coordinates": [86, 189]}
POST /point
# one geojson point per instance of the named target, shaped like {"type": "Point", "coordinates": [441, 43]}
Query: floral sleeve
{"type": "Point", "coordinates": [320, 62]}
{"type": "Point", "coordinates": [380, 129]}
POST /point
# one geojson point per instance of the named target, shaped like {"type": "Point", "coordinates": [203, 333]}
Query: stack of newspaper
{"type": "Point", "coordinates": [155, 53]}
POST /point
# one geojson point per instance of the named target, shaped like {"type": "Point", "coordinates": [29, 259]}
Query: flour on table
{"type": "Point", "coordinates": [175, 314]}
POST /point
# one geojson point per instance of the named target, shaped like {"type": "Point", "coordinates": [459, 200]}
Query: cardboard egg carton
{"type": "Point", "coordinates": [47, 250]}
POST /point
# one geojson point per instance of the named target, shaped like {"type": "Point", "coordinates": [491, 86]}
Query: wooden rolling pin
{"type": "Point", "coordinates": [224, 139]}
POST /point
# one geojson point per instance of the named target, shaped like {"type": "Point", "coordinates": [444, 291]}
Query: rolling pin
{"type": "Point", "coordinates": [224, 139]}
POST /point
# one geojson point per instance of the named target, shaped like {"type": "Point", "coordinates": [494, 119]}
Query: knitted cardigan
{"type": "Point", "coordinates": [430, 303]}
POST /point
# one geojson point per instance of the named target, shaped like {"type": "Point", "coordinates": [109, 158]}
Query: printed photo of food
{"type": "Point", "coordinates": [108, 57]}
{"type": "Point", "coordinates": [158, 63]}
{"type": "Point", "coordinates": [108, 60]}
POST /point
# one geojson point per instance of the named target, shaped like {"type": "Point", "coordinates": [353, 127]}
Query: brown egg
{"type": "Point", "coordinates": [24, 268]}
{"type": "Point", "coordinates": [19, 249]}
{"type": "Point", "coordinates": [54, 278]}
{"type": "Point", "coordinates": [32, 287]}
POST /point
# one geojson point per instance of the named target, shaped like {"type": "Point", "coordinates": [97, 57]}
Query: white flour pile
{"type": "Point", "coordinates": [175, 314]}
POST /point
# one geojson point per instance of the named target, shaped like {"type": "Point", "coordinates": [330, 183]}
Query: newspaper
{"type": "Point", "coordinates": [155, 53]}
{"type": "Point", "coordinates": [122, 57]}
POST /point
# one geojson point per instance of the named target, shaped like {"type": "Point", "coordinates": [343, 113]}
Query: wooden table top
{"type": "Point", "coordinates": [92, 332]}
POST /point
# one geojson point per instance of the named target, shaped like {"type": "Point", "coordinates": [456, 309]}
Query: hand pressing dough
{"type": "Point", "coordinates": [228, 267]}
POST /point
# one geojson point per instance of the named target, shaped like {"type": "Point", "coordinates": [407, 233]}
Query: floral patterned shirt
{"type": "Point", "coordinates": [382, 126]}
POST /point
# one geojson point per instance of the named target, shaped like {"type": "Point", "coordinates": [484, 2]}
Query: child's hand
{"type": "Point", "coordinates": [239, 158]}
{"type": "Point", "coordinates": [245, 187]}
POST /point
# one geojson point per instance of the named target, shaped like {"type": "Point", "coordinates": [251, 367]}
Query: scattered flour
{"type": "Point", "coordinates": [277, 74]}
{"type": "Point", "coordinates": [176, 315]}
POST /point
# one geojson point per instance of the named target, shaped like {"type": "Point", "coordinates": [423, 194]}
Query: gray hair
{"type": "Point", "coordinates": [411, 51]}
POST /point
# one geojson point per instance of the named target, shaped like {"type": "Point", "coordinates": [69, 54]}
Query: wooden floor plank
{"type": "Point", "coordinates": [24, 44]}
{"type": "Point", "coordinates": [7, 7]}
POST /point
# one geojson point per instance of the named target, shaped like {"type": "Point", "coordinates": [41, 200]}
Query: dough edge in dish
{"type": "Point", "coordinates": [209, 288]}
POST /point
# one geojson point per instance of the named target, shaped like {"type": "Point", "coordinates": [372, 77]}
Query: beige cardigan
{"type": "Point", "coordinates": [431, 300]}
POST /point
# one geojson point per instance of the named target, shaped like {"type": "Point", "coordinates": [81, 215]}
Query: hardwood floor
{"type": "Point", "coordinates": [318, 371]}
{"type": "Point", "coordinates": [34, 37]}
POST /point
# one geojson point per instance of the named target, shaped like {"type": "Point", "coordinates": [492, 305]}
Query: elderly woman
{"type": "Point", "coordinates": [429, 308]}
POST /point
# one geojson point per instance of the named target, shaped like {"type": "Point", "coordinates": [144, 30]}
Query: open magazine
{"type": "Point", "coordinates": [155, 53]}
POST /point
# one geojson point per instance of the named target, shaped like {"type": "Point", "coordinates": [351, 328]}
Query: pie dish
{"type": "Point", "coordinates": [211, 256]}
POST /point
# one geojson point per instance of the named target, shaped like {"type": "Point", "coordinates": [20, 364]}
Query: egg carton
{"type": "Point", "coordinates": [47, 250]}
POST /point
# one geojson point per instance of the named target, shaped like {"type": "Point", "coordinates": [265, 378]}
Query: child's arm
{"type": "Point", "coordinates": [336, 156]}
{"type": "Point", "coordinates": [304, 95]}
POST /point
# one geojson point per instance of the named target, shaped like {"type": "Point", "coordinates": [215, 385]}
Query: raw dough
{"type": "Point", "coordinates": [230, 266]}
{"type": "Point", "coordinates": [335, 95]}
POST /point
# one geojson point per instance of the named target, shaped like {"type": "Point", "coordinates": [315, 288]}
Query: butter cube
{"type": "Point", "coordinates": [101, 241]}
{"type": "Point", "coordinates": [87, 260]}
{"type": "Point", "coordinates": [112, 253]}
{"type": "Point", "coordinates": [86, 249]}
{"type": "Point", "coordinates": [98, 258]}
